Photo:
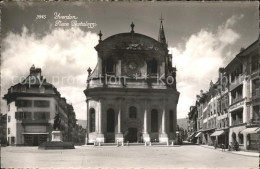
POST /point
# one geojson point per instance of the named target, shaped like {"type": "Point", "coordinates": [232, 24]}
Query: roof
{"type": "Point", "coordinates": [130, 41]}
{"type": "Point", "coordinates": [236, 60]}
{"type": "Point", "coordinates": [34, 80]}
{"type": "Point", "coordinates": [243, 51]}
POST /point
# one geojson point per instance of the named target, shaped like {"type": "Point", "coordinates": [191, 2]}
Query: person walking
{"type": "Point", "coordinates": [216, 144]}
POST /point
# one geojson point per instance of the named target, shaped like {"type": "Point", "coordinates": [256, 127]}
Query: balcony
{"type": "Point", "coordinates": [235, 100]}
{"type": "Point", "coordinates": [237, 122]}
{"type": "Point", "coordinates": [237, 81]}
{"type": "Point", "coordinates": [254, 122]}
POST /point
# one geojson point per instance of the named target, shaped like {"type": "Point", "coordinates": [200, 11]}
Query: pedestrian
{"type": "Point", "coordinates": [216, 145]}
{"type": "Point", "coordinates": [223, 147]}
{"type": "Point", "coordinates": [230, 146]}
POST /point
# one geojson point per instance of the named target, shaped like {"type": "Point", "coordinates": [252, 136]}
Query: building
{"type": "Point", "coordinates": [206, 106]}
{"type": "Point", "coordinates": [201, 109]}
{"type": "Point", "coordinates": [192, 116]}
{"type": "Point", "coordinates": [222, 121]}
{"type": "Point", "coordinates": [131, 94]}
{"type": "Point", "coordinates": [183, 123]}
{"type": "Point", "coordinates": [3, 129]}
{"type": "Point", "coordinates": [182, 127]}
{"type": "Point", "coordinates": [32, 105]}
{"type": "Point", "coordinates": [229, 111]}
{"type": "Point", "coordinates": [248, 100]}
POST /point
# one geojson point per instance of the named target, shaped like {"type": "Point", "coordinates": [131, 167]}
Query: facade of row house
{"type": "Point", "coordinates": [3, 129]}
{"type": "Point", "coordinates": [31, 107]}
{"type": "Point", "coordinates": [192, 118]}
{"type": "Point", "coordinates": [229, 111]}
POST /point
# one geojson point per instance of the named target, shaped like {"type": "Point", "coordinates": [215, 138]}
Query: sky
{"type": "Point", "coordinates": [201, 36]}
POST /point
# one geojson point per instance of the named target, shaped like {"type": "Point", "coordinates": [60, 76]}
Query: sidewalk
{"type": "Point", "coordinates": [245, 153]}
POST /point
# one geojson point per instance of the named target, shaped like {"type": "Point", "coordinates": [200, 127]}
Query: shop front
{"type": "Point", "coordinates": [221, 138]}
{"type": "Point", "coordinates": [199, 137]}
{"type": "Point", "coordinates": [251, 136]}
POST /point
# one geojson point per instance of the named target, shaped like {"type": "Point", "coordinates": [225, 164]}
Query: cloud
{"type": "Point", "coordinates": [199, 60]}
{"type": "Point", "coordinates": [63, 55]}
{"type": "Point", "coordinates": [72, 50]}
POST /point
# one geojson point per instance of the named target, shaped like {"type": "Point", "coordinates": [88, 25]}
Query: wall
{"type": "Point", "coordinates": [153, 102]}
{"type": "Point", "coordinates": [12, 124]}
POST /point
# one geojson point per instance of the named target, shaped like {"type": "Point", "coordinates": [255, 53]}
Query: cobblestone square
{"type": "Point", "coordinates": [186, 156]}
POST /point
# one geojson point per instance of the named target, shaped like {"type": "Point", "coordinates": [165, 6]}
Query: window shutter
{"type": "Point", "coordinates": [16, 115]}
{"type": "Point", "coordinates": [21, 115]}
{"type": "Point", "coordinates": [47, 115]}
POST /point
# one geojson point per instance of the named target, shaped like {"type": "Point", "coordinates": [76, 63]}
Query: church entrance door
{"type": "Point", "coordinates": [132, 137]}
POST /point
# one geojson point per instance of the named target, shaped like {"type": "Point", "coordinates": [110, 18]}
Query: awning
{"type": "Point", "coordinates": [199, 134]}
{"type": "Point", "coordinates": [35, 133]}
{"type": "Point", "coordinates": [217, 133]}
{"type": "Point", "coordinates": [192, 135]}
{"type": "Point", "coordinates": [252, 130]}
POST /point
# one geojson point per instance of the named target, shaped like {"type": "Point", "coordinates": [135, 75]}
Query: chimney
{"type": "Point", "coordinates": [201, 93]}
{"type": "Point", "coordinates": [35, 71]}
{"type": "Point", "coordinates": [32, 69]}
{"type": "Point", "coordinates": [198, 97]}
{"type": "Point", "coordinates": [211, 84]}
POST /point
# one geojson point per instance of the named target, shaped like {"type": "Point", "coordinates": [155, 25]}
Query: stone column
{"type": "Point", "coordinates": [100, 135]}
{"type": "Point", "coordinates": [146, 137]}
{"type": "Point", "coordinates": [119, 138]}
{"type": "Point", "coordinates": [163, 135]}
{"type": "Point", "coordinates": [100, 117]}
{"type": "Point", "coordinates": [145, 116]}
{"type": "Point", "coordinates": [245, 141]}
{"type": "Point", "coordinates": [163, 119]}
{"type": "Point", "coordinates": [119, 117]}
{"type": "Point", "coordinates": [229, 114]}
{"type": "Point", "coordinates": [88, 123]}
{"type": "Point", "coordinates": [99, 65]}
{"type": "Point", "coordinates": [244, 89]}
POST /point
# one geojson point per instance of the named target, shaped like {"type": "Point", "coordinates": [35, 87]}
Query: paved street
{"type": "Point", "coordinates": [187, 156]}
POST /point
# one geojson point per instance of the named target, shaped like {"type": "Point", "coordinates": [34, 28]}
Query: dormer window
{"type": "Point", "coordinates": [23, 88]}
{"type": "Point", "coordinates": [110, 66]}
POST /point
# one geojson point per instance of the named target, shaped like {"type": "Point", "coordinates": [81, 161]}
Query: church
{"type": "Point", "coordinates": [131, 94]}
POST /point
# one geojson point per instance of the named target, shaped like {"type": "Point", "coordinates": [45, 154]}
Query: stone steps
{"type": "Point", "coordinates": [133, 144]}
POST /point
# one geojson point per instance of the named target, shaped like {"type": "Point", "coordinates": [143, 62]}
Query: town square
{"type": "Point", "coordinates": [133, 156]}
{"type": "Point", "coordinates": [142, 85]}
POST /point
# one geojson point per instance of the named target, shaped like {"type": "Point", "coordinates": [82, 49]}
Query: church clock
{"type": "Point", "coordinates": [132, 68]}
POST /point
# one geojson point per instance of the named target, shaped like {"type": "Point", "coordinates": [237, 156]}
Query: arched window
{"type": "Point", "coordinates": [171, 121]}
{"type": "Point", "coordinates": [110, 66]}
{"type": "Point", "coordinates": [110, 120]}
{"type": "Point", "coordinates": [132, 112]}
{"type": "Point", "coordinates": [154, 120]}
{"type": "Point", "coordinates": [153, 66]}
{"type": "Point", "coordinates": [92, 120]}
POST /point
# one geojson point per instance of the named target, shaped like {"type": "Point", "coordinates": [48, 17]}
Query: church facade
{"type": "Point", "coordinates": [131, 94]}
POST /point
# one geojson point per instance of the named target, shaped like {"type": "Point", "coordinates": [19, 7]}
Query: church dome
{"type": "Point", "coordinates": [130, 41]}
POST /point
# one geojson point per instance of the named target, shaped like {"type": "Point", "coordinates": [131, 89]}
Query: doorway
{"type": "Point", "coordinates": [132, 135]}
{"type": "Point", "coordinates": [35, 140]}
